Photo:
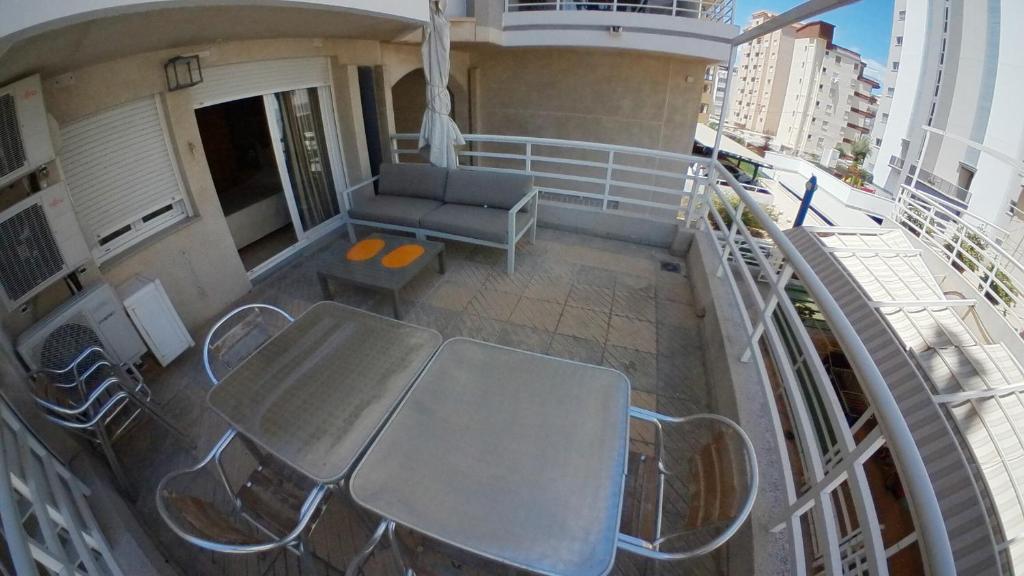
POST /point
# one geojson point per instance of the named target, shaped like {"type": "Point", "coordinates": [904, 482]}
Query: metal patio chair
{"type": "Point", "coordinates": [234, 338]}
{"type": "Point", "coordinates": [269, 509]}
{"type": "Point", "coordinates": [718, 484]}
{"type": "Point", "coordinates": [271, 505]}
{"type": "Point", "coordinates": [97, 399]}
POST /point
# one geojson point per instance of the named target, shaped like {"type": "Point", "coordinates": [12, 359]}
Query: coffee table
{"type": "Point", "coordinates": [372, 272]}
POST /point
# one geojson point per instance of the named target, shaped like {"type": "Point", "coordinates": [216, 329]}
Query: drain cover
{"type": "Point", "coordinates": [670, 267]}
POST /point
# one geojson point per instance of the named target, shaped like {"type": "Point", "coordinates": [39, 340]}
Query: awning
{"type": "Point", "coordinates": [705, 137]}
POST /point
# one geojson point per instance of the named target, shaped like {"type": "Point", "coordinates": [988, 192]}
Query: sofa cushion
{"type": "Point", "coordinates": [473, 221]}
{"type": "Point", "coordinates": [398, 210]}
{"type": "Point", "coordinates": [488, 189]}
{"type": "Point", "coordinates": [412, 180]}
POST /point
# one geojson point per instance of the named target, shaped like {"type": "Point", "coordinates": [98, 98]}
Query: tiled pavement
{"type": "Point", "coordinates": [579, 297]}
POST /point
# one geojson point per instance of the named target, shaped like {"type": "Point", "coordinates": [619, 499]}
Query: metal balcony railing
{"type": "Point", "coordinates": [832, 516]}
{"type": "Point", "coordinates": [942, 185]}
{"type": "Point", "coordinates": [971, 246]}
{"type": "Point", "coordinates": [896, 162]}
{"type": "Point", "coordinates": [52, 529]}
{"type": "Point", "coordinates": [714, 10]}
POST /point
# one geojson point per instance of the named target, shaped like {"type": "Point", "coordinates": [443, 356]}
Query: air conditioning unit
{"type": "Point", "coordinates": [40, 242]}
{"type": "Point", "coordinates": [25, 142]}
{"type": "Point", "coordinates": [93, 317]}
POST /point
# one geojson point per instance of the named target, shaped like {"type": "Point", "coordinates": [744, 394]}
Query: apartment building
{"type": "Point", "coordinates": [954, 128]}
{"type": "Point", "coordinates": [718, 99]}
{"type": "Point", "coordinates": [828, 101]}
{"type": "Point", "coordinates": [707, 94]}
{"type": "Point", "coordinates": [760, 87]}
{"type": "Point", "coordinates": [892, 68]}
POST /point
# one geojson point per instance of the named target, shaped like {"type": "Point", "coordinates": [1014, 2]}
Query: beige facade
{"type": "Point", "coordinates": [760, 86]}
{"type": "Point", "coordinates": [633, 99]}
{"type": "Point", "coordinates": [828, 102]}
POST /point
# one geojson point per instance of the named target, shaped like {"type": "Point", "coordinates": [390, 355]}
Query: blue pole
{"type": "Point", "coordinates": [805, 204]}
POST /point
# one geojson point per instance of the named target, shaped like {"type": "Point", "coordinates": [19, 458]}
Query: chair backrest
{"type": "Point", "coordinates": [716, 486]}
{"type": "Point", "coordinates": [237, 335]}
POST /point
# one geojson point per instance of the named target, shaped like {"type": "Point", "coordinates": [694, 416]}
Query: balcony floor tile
{"type": "Point", "coordinates": [543, 308]}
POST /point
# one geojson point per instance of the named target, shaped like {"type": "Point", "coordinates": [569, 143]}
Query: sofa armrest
{"type": "Point", "coordinates": [513, 212]}
{"type": "Point", "coordinates": [348, 192]}
{"type": "Point", "coordinates": [525, 200]}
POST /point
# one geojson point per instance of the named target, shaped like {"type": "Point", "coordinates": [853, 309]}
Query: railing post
{"type": "Point", "coordinates": [608, 180]}
{"type": "Point", "coordinates": [529, 157]}
{"type": "Point", "coordinates": [730, 238]}
{"type": "Point", "coordinates": [769, 309]}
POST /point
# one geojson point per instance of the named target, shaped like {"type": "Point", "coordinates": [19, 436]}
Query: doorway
{"type": "Point", "coordinates": [239, 152]}
{"type": "Point", "coordinates": [272, 159]}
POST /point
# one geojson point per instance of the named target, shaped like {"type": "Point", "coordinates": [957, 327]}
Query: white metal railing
{"type": "Point", "coordinates": [831, 511]}
{"type": "Point", "coordinates": [969, 248]}
{"type": "Point", "coordinates": [714, 10]}
{"type": "Point", "coordinates": [642, 182]}
{"type": "Point", "coordinates": [47, 523]}
{"type": "Point", "coordinates": [828, 490]}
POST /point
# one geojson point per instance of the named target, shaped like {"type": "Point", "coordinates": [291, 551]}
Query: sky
{"type": "Point", "coordinates": [863, 27]}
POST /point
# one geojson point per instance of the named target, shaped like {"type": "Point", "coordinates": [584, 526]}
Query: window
{"type": "Point", "coordinates": [885, 116]}
{"type": "Point", "coordinates": [895, 66]}
{"type": "Point", "coordinates": [889, 91]}
{"type": "Point", "coordinates": [902, 15]}
{"type": "Point", "coordinates": [899, 40]}
{"type": "Point", "coordinates": [839, 60]}
{"type": "Point", "coordinates": [878, 141]}
{"type": "Point", "coordinates": [122, 175]}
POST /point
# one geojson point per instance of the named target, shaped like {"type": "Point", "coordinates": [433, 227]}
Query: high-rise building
{"type": "Point", "coordinates": [760, 88]}
{"type": "Point", "coordinates": [828, 102]}
{"type": "Point", "coordinates": [955, 128]}
{"type": "Point", "coordinates": [892, 67]}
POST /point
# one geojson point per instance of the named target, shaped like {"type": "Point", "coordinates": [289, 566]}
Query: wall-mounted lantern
{"type": "Point", "coordinates": [183, 72]}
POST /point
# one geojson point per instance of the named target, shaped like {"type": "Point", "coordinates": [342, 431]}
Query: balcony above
{"type": "Point", "coordinates": [54, 37]}
{"type": "Point", "coordinates": [697, 28]}
{"type": "Point", "coordinates": [24, 17]}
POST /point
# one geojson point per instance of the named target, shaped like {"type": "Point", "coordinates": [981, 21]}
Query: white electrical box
{"type": "Point", "coordinates": [155, 318]}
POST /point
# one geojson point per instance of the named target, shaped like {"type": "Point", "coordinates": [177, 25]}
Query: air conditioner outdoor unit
{"type": "Point", "coordinates": [40, 242]}
{"type": "Point", "coordinates": [93, 317]}
{"type": "Point", "coordinates": [25, 142]}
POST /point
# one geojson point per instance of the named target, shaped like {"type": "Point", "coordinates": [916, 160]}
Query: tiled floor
{"type": "Point", "coordinates": [573, 296]}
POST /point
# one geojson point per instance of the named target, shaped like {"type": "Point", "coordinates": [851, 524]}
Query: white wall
{"type": "Point", "coordinates": [997, 182]}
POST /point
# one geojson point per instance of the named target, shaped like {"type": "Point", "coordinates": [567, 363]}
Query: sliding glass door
{"type": "Point", "coordinates": [306, 156]}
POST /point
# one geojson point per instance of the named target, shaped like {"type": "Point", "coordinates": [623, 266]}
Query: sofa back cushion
{"type": "Point", "coordinates": [490, 189]}
{"type": "Point", "coordinates": [412, 180]}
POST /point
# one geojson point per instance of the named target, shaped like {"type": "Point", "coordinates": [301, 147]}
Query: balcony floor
{"type": "Point", "coordinates": [579, 297]}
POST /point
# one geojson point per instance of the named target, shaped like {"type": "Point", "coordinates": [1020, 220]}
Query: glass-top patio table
{"type": "Point", "coordinates": [510, 455]}
{"type": "Point", "coordinates": [316, 394]}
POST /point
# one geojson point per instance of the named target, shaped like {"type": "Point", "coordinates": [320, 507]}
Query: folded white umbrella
{"type": "Point", "coordinates": [438, 133]}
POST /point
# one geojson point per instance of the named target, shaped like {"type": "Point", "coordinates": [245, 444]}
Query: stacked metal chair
{"type": "Point", "coordinates": [97, 399]}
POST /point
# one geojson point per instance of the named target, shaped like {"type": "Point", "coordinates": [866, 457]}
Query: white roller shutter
{"type": "Point", "coordinates": [247, 79]}
{"type": "Point", "coordinates": [121, 174]}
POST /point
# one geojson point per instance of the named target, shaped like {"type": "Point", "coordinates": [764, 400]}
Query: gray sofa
{"type": "Point", "coordinates": [493, 209]}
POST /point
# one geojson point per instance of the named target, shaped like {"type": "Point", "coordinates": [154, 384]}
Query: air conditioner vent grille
{"type": "Point", "coordinates": [12, 149]}
{"type": "Point", "coordinates": [64, 344]}
{"type": "Point", "coordinates": [30, 255]}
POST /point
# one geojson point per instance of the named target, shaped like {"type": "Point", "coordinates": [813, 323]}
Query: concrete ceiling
{"type": "Point", "coordinates": [78, 45]}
